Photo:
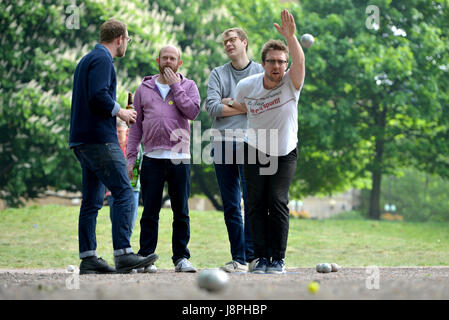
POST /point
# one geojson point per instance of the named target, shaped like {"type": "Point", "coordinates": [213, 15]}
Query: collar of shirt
{"type": "Point", "coordinates": [102, 47]}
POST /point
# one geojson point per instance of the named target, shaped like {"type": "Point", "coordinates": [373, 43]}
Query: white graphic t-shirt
{"type": "Point", "coordinates": [272, 114]}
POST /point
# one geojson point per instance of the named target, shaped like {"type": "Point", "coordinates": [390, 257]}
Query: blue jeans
{"type": "Point", "coordinates": [154, 174]}
{"type": "Point", "coordinates": [232, 185]}
{"type": "Point", "coordinates": [136, 208]}
{"type": "Point", "coordinates": [104, 165]}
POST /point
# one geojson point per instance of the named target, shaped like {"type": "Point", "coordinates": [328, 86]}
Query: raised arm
{"type": "Point", "coordinates": [287, 29]}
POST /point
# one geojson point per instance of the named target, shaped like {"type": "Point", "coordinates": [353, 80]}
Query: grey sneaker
{"type": "Point", "coordinates": [261, 266]}
{"type": "Point", "coordinates": [184, 265]}
{"type": "Point", "coordinates": [276, 267]}
{"type": "Point", "coordinates": [234, 266]}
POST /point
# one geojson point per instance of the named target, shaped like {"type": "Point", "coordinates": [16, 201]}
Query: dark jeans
{"type": "Point", "coordinates": [104, 165]}
{"type": "Point", "coordinates": [268, 204]}
{"type": "Point", "coordinates": [232, 185]}
{"type": "Point", "coordinates": [154, 174]}
{"type": "Point", "coordinates": [136, 208]}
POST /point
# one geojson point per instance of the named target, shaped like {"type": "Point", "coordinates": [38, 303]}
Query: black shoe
{"type": "Point", "coordinates": [125, 263]}
{"type": "Point", "coordinates": [94, 265]}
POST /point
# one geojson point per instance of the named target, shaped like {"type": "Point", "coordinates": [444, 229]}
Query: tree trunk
{"type": "Point", "coordinates": [376, 173]}
{"type": "Point", "coordinates": [374, 202]}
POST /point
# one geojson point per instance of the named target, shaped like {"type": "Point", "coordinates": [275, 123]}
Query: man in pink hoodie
{"type": "Point", "coordinates": [165, 103]}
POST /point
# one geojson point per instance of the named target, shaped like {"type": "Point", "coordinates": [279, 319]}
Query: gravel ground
{"type": "Point", "coordinates": [405, 283]}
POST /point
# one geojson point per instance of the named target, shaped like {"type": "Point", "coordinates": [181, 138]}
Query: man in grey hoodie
{"type": "Point", "coordinates": [230, 126]}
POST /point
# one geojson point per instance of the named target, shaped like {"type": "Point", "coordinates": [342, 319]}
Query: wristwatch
{"type": "Point", "coordinates": [231, 102]}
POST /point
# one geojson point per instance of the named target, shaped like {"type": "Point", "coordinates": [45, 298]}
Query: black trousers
{"type": "Point", "coordinates": [154, 174]}
{"type": "Point", "coordinates": [268, 201]}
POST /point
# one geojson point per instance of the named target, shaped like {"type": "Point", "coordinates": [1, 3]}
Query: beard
{"type": "Point", "coordinates": [161, 68]}
{"type": "Point", "coordinates": [274, 78]}
{"type": "Point", "coordinates": [121, 51]}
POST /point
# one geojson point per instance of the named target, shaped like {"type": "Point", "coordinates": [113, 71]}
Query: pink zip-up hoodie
{"type": "Point", "coordinates": [163, 124]}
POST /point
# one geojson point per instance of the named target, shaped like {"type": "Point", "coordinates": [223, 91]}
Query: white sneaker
{"type": "Point", "coordinates": [184, 265]}
{"type": "Point", "coordinates": [234, 266]}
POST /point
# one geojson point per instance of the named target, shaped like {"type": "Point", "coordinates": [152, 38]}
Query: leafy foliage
{"type": "Point", "coordinates": [36, 83]}
{"type": "Point", "coordinates": [374, 100]}
{"type": "Point", "coordinates": [429, 201]}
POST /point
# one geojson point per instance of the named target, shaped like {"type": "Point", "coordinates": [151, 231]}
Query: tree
{"type": "Point", "coordinates": [36, 83]}
{"type": "Point", "coordinates": [373, 98]}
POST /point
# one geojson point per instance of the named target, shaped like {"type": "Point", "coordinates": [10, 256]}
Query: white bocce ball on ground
{"type": "Point", "coordinates": [212, 280]}
{"type": "Point", "coordinates": [71, 268]}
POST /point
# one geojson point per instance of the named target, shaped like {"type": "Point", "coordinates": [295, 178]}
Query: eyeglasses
{"type": "Point", "coordinates": [128, 39]}
{"type": "Point", "coordinates": [231, 40]}
{"type": "Point", "coordinates": [273, 61]}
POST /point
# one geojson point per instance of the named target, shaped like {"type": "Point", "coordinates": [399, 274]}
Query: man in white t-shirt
{"type": "Point", "coordinates": [271, 100]}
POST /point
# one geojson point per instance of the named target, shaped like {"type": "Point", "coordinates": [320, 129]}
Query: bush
{"type": "Point", "coordinates": [300, 214]}
{"type": "Point", "coordinates": [391, 217]}
{"type": "Point", "coordinates": [417, 196]}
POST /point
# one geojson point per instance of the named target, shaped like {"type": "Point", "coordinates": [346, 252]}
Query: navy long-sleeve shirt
{"type": "Point", "coordinates": [93, 99]}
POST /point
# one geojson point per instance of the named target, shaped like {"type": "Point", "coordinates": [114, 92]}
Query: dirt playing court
{"type": "Point", "coordinates": [407, 283]}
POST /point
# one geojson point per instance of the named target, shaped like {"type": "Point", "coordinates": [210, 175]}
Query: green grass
{"type": "Point", "coordinates": [46, 237]}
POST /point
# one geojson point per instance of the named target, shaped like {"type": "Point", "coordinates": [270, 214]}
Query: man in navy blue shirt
{"type": "Point", "coordinates": [93, 138]}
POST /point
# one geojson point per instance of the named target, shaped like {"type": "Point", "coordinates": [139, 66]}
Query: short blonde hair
{"type": "Point", "coordinates": [240, 33]}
